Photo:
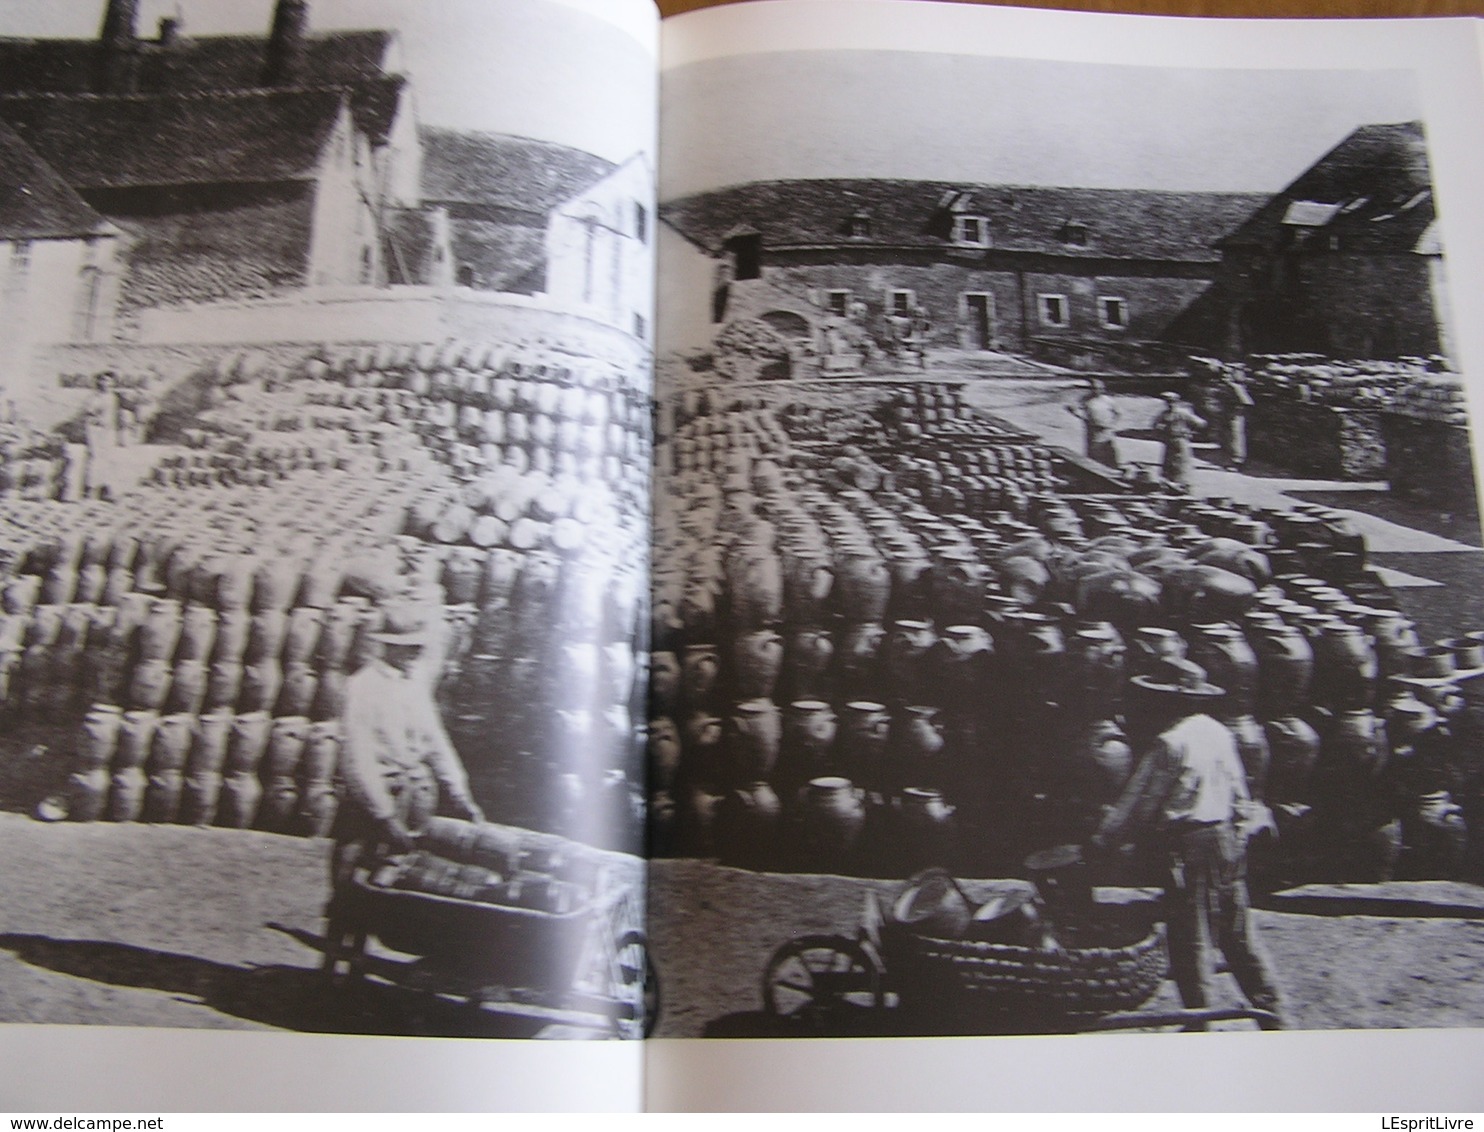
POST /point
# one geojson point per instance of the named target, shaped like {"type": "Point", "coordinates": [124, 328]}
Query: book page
{"type": "Point", "coordinates": [1008, 361]}
{"type": "Point", "coordinates": [324, 514]}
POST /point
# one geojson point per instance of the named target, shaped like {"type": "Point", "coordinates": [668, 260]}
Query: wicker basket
{"type": "Point", "coordinates": [1085, 982]}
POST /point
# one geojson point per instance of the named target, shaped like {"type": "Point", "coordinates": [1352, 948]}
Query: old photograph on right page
{"type": "Point", "coordinates": [1068, 573]}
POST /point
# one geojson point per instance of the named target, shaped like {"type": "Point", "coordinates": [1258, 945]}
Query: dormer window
{"type": "Point", "coordinates": [1074, 232]}
{"type": "Point", "coordinates": [858, 227]}
{"type": "Point", "coordinates": [971, 231]}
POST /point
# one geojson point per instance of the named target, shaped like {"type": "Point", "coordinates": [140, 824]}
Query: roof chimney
{"type": "Point", "coordinates": [169, 30]}
{"type": "Point", "coordinates": [116, 39]}
{"type": "Point", "coordinates": [285, 63]}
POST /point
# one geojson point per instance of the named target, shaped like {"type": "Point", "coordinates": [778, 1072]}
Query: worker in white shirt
{"type": "Point", "coordinates": [395, 756]}
{"type": "Point", "coordinates": [1189, 791]}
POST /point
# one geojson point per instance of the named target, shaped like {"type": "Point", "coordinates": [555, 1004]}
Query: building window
{"type": "Point", "coordinates": [641, 223]}
{"type": "Point", "coordinates": [900, 302]}
{"type": "Point", "coordinates": [971, 231]}
{"type": "Point", "coordinates": [1074, 232]}
{"type": "Point", "coordinates": [641, 327]}
{"type": "Point", "coordinates": [859, 226]}
{"type": "Point", "coordinates": [1113, 313]}
{"type": "Point", "coordinates": [89, 293]}
{"type": "Point", "coordinates": [838, 302]}
{"type": "Point", "coordinates": [1053, 310]}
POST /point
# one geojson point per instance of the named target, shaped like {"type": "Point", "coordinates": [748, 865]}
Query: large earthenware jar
{"type": "Point", "coordinates": [807, 662]}
{"type": "Point", "coordinates": [700, 674]}
{"type": "Point", "coordinates": [755, 587]}
{"type": "Point", "coordinates": [862, 584]}
{"type": "Point", "coordinates": [1345, 667]}
{"type": "Point", "coordinates": [1096, 671]}
{"type": "Point", "coordinates": [1230, 664]}
{"type": "Point", "coordinates": [754, 737]}
{"type": "Point", "coordinates": [757, 659]}
{"type": "Point", "coordinates": [832, 815]}
{"type": "Point", "coordinates": [926, 831]}
{"type": "Point", "coordinates": [1253, 749]}
{"type": "Point", "coordinates": [908, 647]}
{"type": "Point", "coordinates": [808, 579]}
{"type": "Point", "coordinates": [917, 746]}
{"type": "Point", "coordinates": [746, 829]}
{"type": "Point", "coordinates": [959, 667]}
{"type": "Point", "coordinates": [865, 728]}
{"type": "Point", "coordinates": [858, 664]}
{"type": "Point", "coordinates": [1294, 748]}
{"type": "Point", "coordinates": [1285, 668]}
{"type": "Point", "coordinates": [958, 583]}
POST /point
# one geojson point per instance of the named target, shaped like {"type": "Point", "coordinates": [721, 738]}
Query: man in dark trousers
{"type": "Point", "coordinates": [1189, 792]}
{"type": "Point", "coordinates": [1099, 416]}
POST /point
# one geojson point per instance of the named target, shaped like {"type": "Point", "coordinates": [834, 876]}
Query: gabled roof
{"type": "Point", "coordinates": [1120, 223]}
{"type": "Point", "coordinates": [130, 141]}
{"type": "Point", "coordinates": [504, 171]}
{"type": "Point", "coordinates": [208, 63]}
{"type": "Point", "coordinates": [1372, 192]}
{"type": "Point", "coordinates": [35, 203]}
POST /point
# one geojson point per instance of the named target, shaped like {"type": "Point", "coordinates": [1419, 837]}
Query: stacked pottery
{"type": "Point", "coordinates": [1232, 664]}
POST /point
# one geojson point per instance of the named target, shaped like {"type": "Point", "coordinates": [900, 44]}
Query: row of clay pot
{"type": "Point", "coordinates": [244, 770]}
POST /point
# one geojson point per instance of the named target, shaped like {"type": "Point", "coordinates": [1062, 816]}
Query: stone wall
{"type": "Point", "coordinates": [1317, 440]}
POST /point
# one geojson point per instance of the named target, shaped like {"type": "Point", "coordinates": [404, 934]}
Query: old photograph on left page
{"type": "Point", "coordinates": [323, 506]}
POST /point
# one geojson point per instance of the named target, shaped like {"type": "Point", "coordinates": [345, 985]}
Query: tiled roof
{"type": "Point", "coordinates": [126, 141]}
{"type": "Point", "coordinates": [1119, 223]}
{"type": "Point", "coordinates": [504, 172]}
{"type": "Point", "coordinates": [209, 63]}
{"type": "Point", "coordinates": [1372, 192]}
{"type": "Point", "coordinates": [35, 203]}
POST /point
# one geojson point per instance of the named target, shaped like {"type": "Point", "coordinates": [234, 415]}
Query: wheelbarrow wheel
{"type": "Point", "coordinates": [820, 980]}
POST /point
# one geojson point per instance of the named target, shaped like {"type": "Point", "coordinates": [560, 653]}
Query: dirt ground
{"type": "Point", "coordinates": [159, 925]}
{"type": "Point", "coordinates": [169, 926]}
{"type": "Point", "coordinates": [1397, 955]}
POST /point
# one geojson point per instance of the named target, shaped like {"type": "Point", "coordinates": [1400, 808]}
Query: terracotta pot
{"type": "Point", "coordinates": [927, 831]}
{"type": "Point", "coordinates": [807, 662]}
{"type": "Point", "coordinates": [862, 586]}
{"type": "Point", "coordinates": [746, 826]}
{"type": "Point", "coordinates": [858, 648]}
{"type": "Point", "coordinates": [1294, 749]}
{"type": "Point", "coordinates": [754, 736]}
{"type": "Point", "coordinates": [832, 816]}
{"type": "Point", "coordinates": [1253, 749]}
{"type": "Point", "coordinates": [755, 588]}
{"type": "Point", "coordinates": [1285, 669]}
{"type": "Point", "coordinates": [917, 746]}
{"type": "Point", "coordinates": [757, 659]}
{"type": "Point", "coordinates": [1345, 667]}
{"type": "Point", "coordinates": [1230, 663]}
{"type": "Point", "coordinates": [808, 579]}
{"type": "Point", "coordinates": [907, 650]}
{"type": "Point", "coordinates": [701, 673]}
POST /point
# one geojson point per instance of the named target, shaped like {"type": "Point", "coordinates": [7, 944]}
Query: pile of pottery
{"type": "Point", "coordinates": [846, 677]}
{"type": "Point", "coordinates": [202, 626]}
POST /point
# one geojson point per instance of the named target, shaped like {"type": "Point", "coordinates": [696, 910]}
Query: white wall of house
{"type": "Point", "coordinates": [57, 290]}
{"type": "Point", "coordinates": [687, 281]}
{"type": "Point", "coordinates": [600, 249]}
{"type": "Point", "coordinates": [345, 249]}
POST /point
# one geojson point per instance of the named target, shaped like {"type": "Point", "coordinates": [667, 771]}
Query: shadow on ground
{"type": "Point", "coordinates": [290, 998]}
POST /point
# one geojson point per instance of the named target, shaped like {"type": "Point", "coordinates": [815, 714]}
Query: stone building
{"type": "Point", "coordinates": [234, 166]}
{"type": "Point", "coordinates": [1345, 261]}
{"type": "Point", "coordinates": [1079, 276]}
{"type": "Point", "coordinates": [59, 267]}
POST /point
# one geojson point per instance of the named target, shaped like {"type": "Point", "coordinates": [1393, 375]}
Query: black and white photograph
{"type": "Point", "coordinates": [1067, 560]}
{"type": "Point", "coordinates": [324, 493]}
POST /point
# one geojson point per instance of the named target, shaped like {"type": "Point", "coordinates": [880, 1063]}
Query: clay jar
{"type": "Point", "coordinates": [908, 646]}
{"type": "Point", "coordinates": [702, 740]}
{"type": "Point", "coordinates": [1230, 664]}
{"type": "Point", "coordinates": [746, 826]}
{"type": "Point", "coordinates": [664, 683]}
{"type": "Point", "coordinates": [916, 744]}
{"type": "Point", "coordinates": [1101, 761]}
{"type": "Point", "coordinates": [1253, 750]}
{"type": "Point", "coordinates": [809, 731]}
{"type": "Point", "coordinates": [755, 587]}
{"type": "Point", "coordinates": [959, 667]}
{"type": "Point", "coordinates": [862, 584]}
{"type": "Point", "coordinates": [807, 661]}
{"type": "Point", "coordinates": [754, 733]}
{"type": "Point", "coordinates": [808, 580]}
{"type": "Point", "coordinates": [1285, 668]}
{"type": "Point", "coordinates": [664, 754]}
{"type": "Point", "coordinates": [864, 732]}
{"type": "Point", "coordinates": [958, 581]}
{"type": "Point", "coordinates": [832, 814]}
{"type": "Point", "coordinates": [700, 672]}
{"type": "Point", "coordinates": [1095, 670]}
{"type": "Point", "coordinates": [926, 831]}
{"type": "Point", "coordinates": [1152, 647]}
{"type": "Point", "coordinates": [858, 649]}
{"type": "Point", "coordinates": [1345, 667]}
{"type": "Point", "coordinates": [1294, 750]}
{"type": "Point", "coordinates": [757, 659]}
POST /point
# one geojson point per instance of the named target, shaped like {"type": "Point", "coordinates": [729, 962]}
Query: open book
{"type": "Point", "coordinates": [520, 521]}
